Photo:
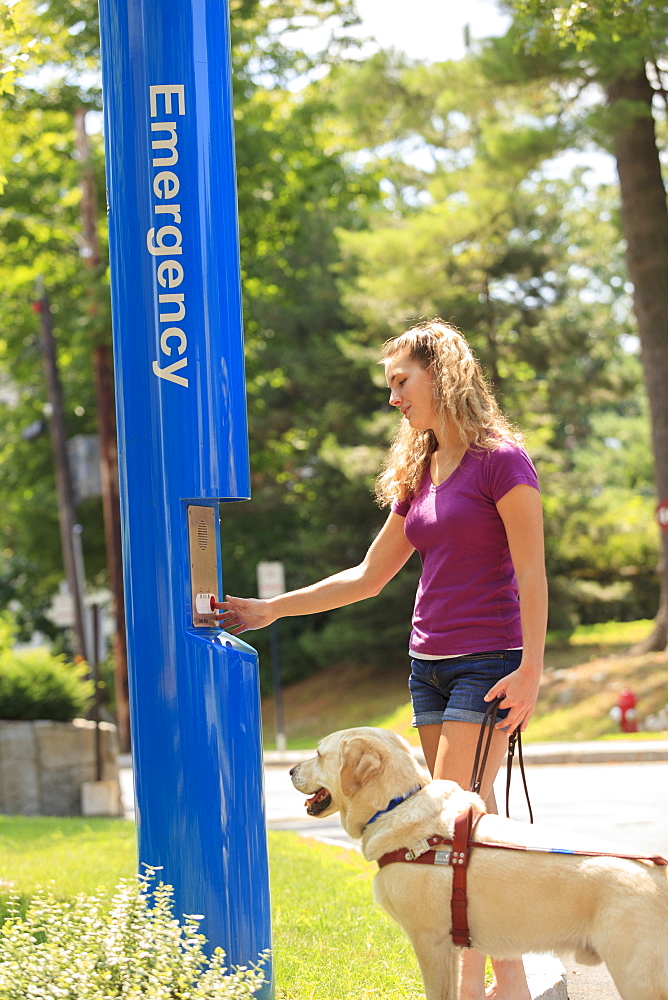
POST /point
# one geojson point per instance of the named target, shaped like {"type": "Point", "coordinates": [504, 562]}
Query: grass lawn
{"type": "Point", "coordinates": [75, 854]}
{"type": "Point", "coordinates": [330, 941]}
{"type": "Point", "coordinates": [584, 674]}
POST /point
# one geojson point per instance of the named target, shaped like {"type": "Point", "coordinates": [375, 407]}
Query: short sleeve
{"type": "Point", "coordinates": [509, 466]}
{"type": "Point", "coordinates": [401, 507]}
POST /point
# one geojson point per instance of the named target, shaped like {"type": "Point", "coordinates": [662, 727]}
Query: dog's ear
{"type": "Point", "coordinates": [360, 761]}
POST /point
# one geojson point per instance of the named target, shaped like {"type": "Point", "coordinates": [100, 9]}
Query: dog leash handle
{"type": "Point", "coordinates": [478, 766]}
{"type": "Point", "coordinates": [514, 740]}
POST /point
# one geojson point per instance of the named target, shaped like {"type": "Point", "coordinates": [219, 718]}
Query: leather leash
{"type": "Point", "coordinates": [514, 741]}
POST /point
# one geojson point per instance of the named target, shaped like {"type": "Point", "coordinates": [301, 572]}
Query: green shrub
{"type": "Point", "coordinates": [34, 684]}
{"type": "Point", "coordinates": [84, 949]}
{"type": "Point", "coordinates": [8, 630]}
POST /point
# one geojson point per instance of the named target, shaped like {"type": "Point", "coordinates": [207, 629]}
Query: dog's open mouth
{"type": "Point", "coordinates": [319, 802]}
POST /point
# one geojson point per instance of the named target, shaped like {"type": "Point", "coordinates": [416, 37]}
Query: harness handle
{"type": "Point", "coordinates": [514, 740]}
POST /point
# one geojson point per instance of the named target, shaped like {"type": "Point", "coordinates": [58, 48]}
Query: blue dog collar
{"type": "Point", "coordinates": [392, 804]}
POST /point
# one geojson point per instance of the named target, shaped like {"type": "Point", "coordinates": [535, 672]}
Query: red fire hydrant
{"type": "Point", "coordinates": [624, 712]}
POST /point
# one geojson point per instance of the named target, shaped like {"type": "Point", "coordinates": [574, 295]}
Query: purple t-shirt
{"type": "Point", "coordinates": [467, 599]}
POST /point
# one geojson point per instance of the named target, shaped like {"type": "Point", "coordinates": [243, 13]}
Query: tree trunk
{"type": "Point", "coordinates": [645, 227]}
{"type": "Point", "coordinates": [104, 387]}
{"type": "Point", "coordinates": [106, 413]}
{"type": "Point", "coordinates": [64, 488]}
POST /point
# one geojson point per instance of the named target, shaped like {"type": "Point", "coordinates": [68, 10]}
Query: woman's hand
{"type": "Point", "coordinates": [520, 693]}
{"type": "Point", "coordinates": [241, 614]}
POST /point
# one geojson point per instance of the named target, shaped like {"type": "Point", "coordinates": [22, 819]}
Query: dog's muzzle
{"type": "Point", "coordinates": [317, 803]}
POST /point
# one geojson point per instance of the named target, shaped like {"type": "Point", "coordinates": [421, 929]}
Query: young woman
{"type": "Point", "coordinates": [463, 492]}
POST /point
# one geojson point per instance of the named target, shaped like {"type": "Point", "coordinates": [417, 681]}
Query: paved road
{"type": "Point", "coordinates": [624, 802]}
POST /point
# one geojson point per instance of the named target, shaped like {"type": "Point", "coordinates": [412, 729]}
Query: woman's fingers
{"type": "Point", "coordinates": [240, 614]}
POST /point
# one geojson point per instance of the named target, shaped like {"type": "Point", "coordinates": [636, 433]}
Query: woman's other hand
{"type": "Point", "coordinates": [520, 693]}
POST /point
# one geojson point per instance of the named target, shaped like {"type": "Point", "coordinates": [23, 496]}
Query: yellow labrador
{"type": "Point", "coordinates": [597, 908]}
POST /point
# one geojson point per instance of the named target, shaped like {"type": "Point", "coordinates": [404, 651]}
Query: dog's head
{"type": "Point", "coordinates": [357, 772]}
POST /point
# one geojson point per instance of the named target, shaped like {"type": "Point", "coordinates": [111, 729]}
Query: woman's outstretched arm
{"type": "Point", "coordinates": [386, 555]}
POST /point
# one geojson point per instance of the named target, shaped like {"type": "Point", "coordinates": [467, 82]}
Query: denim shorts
{"type": "Point", "coordinates": [454, 689]}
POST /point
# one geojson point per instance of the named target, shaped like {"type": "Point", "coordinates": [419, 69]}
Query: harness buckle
{"type": "Point", "coordinates": [421, 847]}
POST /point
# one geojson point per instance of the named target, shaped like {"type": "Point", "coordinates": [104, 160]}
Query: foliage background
{"type": "Point", "coordinates": [373, 190]}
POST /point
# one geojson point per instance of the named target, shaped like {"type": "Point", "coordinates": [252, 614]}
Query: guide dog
{"type": "Point", "coordinates": [528, 897]}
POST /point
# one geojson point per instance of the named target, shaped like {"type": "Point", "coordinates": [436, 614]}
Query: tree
{"type": "Point", "coordinates": [40, 228]}
{"type": "Point", "coordinates": [530, 267]}
{"type": "Point", "coordinates": [614, 49]}
{"type": "Point", "coordinates": [355, 216]}
{"type": "Point", "coordinates": [292, 193]}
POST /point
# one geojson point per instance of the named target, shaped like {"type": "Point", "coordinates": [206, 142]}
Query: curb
{"type": "Point", "coordinates": [596, 752]}
{"type": "Point", "coordinates": [592, 752]}
{"type": "Point", "coordinates": [546, 977]}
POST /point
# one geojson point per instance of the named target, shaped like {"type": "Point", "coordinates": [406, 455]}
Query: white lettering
{"type": "Point", "coordinates": [173, 210]}
{"type": "Point", "coordinates": [167, 92]}
{"type": "Point", "coordinates": [173, 334]}
{"type": "Point", "coordinates": [170, 273]}
{"type": "Point", "coordinates": [166, 241]}
{"type": "Point", "coordinates": [177, 315]}
{"type": "Point", "coordinates": [168, 373]}
{"type": "Point", "coordinates": [169, 144]}
{"type": "Point", "coordinates": [166, 185]}
{"type": "Point", "coordinates": [156, 245]}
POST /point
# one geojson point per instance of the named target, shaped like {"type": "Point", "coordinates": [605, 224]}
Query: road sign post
{"type": "Point", "coordinates": [271, 583]}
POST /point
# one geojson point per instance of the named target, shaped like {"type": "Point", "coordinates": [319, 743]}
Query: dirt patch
{"type": "Point", "coordinates": [338, 697]}
{"type": "Point", "coordinates": [575, 701]}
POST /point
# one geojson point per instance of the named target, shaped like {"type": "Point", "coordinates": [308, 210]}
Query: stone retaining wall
{"type": "Point", "coordinates": [44, 764]}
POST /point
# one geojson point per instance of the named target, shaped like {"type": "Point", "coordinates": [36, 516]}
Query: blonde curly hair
{"type": "Point", "coordinates": [463, 399]}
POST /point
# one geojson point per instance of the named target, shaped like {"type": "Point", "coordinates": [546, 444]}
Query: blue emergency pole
{"type": "Point", "coordinates": [183, 449]}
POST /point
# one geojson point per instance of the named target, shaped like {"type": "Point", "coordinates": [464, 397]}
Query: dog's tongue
{"type": "Point", "coordinates": [321, 794]}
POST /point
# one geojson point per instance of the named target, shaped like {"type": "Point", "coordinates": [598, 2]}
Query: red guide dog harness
{"type": "Point", "coordinates": [426, 852]}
